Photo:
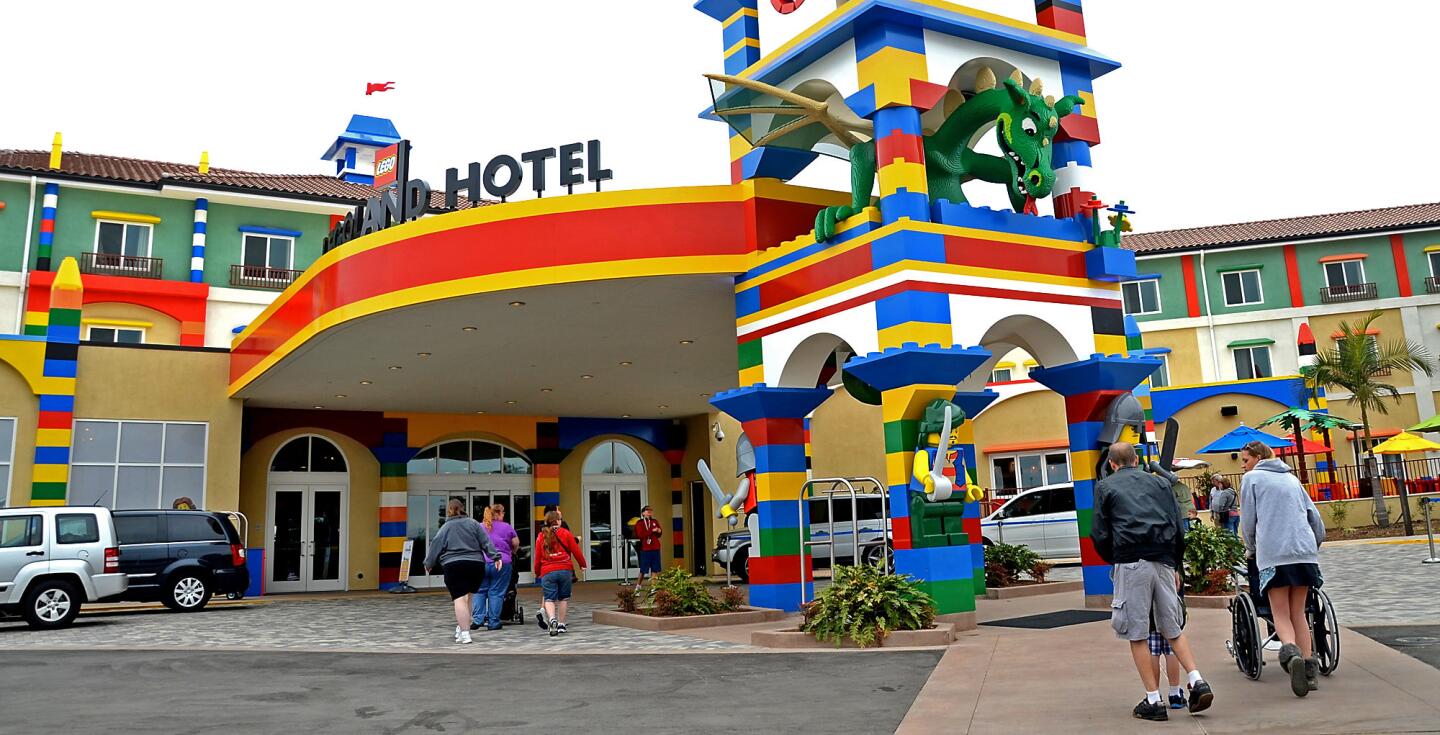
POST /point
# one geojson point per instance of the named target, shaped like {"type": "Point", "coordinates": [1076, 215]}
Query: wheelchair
{"type": "Point", "coordinates": [1247, 646]}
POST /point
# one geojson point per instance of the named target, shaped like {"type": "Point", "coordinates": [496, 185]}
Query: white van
{"type": "Point", "coordinates": [1042, 518]}
{"type": "Point", "coordinates": [732, 548]}
{"type": "Point", "coordinates": [53, 559]}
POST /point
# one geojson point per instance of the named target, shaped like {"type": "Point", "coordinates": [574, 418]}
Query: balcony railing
{"type": "Point", "coordinates": [1351, 292]}
{"type": "Point", "coordinates": [259, 276]}
{"type": "Point", "coordinates": [1432, 284]}
{"type": "Point", "coordinates": [111, 264]}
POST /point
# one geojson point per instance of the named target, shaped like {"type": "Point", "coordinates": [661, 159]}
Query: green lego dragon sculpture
{"type": "Point", "coordinates": [1025, 125]}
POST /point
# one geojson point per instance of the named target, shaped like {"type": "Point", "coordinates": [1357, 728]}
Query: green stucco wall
{"type": "Point", "coordinates": [1172, 288]}
{"type": "Point", "coordinates": [1379, 265]}
{"type": "Point", "coordinates": [16, 197]}
{"type": "Point", "coordinates": [1417, 259]}
{"type": "Point", "coordinates": [75, 227]}
{"type": "Point", "coordinates": [1274, 286]}
{"type": "Point", "coordinates": [223, 239]}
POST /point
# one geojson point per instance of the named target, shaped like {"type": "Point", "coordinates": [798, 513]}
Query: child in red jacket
{"type": "Point", "coordinates": [555, 548]}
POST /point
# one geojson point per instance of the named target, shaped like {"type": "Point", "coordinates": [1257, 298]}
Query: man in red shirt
{"type": "Point", "coordinates": [648, 530]}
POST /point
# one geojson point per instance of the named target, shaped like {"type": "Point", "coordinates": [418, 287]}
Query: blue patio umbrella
{"type": "Point", "coordinates": [1236, 439]}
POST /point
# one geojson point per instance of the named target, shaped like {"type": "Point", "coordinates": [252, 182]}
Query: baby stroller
{"type": "Point", "coordinates": [511, 611]}
{"type": "Point", "coordinates": [1248, 608]}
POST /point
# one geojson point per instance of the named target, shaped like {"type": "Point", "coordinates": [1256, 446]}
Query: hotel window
{"type": "Point", "coordinates": [1000, 375]}
{"type": "Point", "coordinates": [1252, 362]}
{"type": "Point", "coordinates": [1011, 473]}
{"type": "Point", "coordinates": [1434, 257]}
{"type": "Point", "coordinates": [1141, 297]}
{"type": "Point", "coordinates": [122, 238]}
{"type": "Point", "coordinates": [1242, 288]}
{"type": "Point", "coordinates": [1161, 377]}
{"type": "Point", "coordinates": [1344, 274]}
{"type": "Point", "coordinates": [268, 251]}
{"type": "Point", "coordinates": [7, 456]}
{"type": "Point", "coordinates": [137, 464]}
{"type": "Point", "coordinates": [116, 335]}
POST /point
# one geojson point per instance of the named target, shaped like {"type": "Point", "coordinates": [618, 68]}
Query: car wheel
{"type": "Point", "coordinates": [52, 603]}
{"type": "Point", "coordinates": [187, 593]}
{"type": "Point", "coordinates": [740, 566]}
{"type": "Point", "coordinates": [875, 556]}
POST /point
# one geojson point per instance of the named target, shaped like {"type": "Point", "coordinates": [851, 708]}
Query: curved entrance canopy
{"type": "Point", "coordinates": [588, 305]}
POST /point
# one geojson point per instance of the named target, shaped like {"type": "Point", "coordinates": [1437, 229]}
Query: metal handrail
{"type": "Point", "coordinates": [807, 492]}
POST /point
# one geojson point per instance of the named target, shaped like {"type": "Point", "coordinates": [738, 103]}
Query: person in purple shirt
{"type": "Point", "coordinates": [491, 596]}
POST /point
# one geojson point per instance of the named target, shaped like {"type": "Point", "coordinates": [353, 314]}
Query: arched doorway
{"type": "Point", "coordinates": [615, 491]}
{"type": "Point", "coordinates": [307, 502]}
{"type": "Point", "coordinates": [477, 473]}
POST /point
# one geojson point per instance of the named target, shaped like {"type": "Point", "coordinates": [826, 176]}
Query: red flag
{"type": "Point", "coordinates": [373, 87]}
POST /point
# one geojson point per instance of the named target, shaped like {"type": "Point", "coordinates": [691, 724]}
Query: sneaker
{"type": "Point", "coordinates": [496, 626]}
{"type": "Point", "coordinates": [1200, 696]}
{"type": "Point", "coordinates": [457, 634]}
{"type": "Point", "coordinates": [561, 627]}
{"type": "Point", "coordinates": [1153, 711]}
{"type": "Point", "coordinates": [464, 637]}
{"type": "Point", "coordinates": [1177, 701]}
{"type": "Point", "coordinates": [554, 628]}
{"type": "Point", "coordinates": [1312, 673]}
{"type": "Point", "coordinates": [540, 620]}
{"type": "Point", "coordinates": [474, 626]}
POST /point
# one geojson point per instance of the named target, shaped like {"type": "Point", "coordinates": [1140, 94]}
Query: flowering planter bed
{"type": "Point", "coordinates": [942, 634]}
{"type": "Point", "coordinates": [641, 621]}
{"type": "Point", "coordinates": [1211, 602]}
{"type": "Point", "coordinates": [1030, 590]}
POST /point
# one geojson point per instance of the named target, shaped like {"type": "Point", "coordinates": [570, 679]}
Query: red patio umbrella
{"type": "Point", "coordinates": [1310, 446]}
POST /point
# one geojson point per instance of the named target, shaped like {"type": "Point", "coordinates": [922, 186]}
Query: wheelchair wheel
{"type": "Point", "coordinates": [1324, 631]}
{"type": "Point", "coordinates": [1245, 644]}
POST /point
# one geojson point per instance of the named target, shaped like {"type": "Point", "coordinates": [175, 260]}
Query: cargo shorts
{"type": "Point", "coordinates": [1145, 599]}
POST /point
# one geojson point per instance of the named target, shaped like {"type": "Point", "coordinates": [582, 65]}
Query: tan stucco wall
{"type": "Point", "coordinates": [1401, 413]}
{"type": "Point", "coordinates": [1201, 423]}
{"type": "Point", "coordinates": [1031, 418]}
{"type": "Point", "coordinates": [17, 400]}
{"type": "Point", "coordinates": [702, 528]}
{"type": "Point", "coordinates": [162, 329]}
{"type": "Point", "coordinates": [167, 385]}
{"type": "Point", "coordinates": [657, 488]}
{"type": "Point", "coordinates": [363, 533]}
{"type": "Point", "coordinates": [1324, 328]}
{"type": "Point", "coordinates": [847, 439]}
{"type": "Point", "coordinates": [1183, 362]}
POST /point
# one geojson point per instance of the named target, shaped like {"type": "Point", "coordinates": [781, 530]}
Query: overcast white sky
{"type": "Point", "coordinates": [1224, 110]}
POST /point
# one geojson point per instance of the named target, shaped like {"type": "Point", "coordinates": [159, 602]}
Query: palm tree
{"type": "Point", "coordinates": [1356, 363]}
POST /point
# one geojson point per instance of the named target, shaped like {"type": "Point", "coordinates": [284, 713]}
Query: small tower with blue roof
{"type": "Point", "coordinates": [354, 150]}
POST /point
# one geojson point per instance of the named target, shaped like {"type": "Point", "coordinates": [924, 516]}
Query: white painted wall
{"type": "Point", "coordinates": [855, 325]}
{"type": "Point", "coordinates": [229, 308]}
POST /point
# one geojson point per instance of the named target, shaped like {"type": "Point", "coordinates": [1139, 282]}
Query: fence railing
{"type": "Point", "coordinates": [1346, 482]}
{"type": "Point", "coordinates": [1432, 284]}
{"type": "Point", "coordinates": [259, 276]}
{"type": "Point", "coordinates": [1351, 292]}
{"type": "Point", "coordinates": [112, 264]}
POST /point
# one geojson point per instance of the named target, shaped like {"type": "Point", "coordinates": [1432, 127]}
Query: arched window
{"type": "Point", "coordinates": [308, 454]}
{"type": "Point", "coordinates": [613, 458]}
{"type": "Point", "coordinates": [467, 457]}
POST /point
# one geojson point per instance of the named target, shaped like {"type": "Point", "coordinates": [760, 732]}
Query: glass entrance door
{"type": "Point", "coordinates": [427, 515]}
{"type": "Point", "coordinates": [306, 545]}
{"type": "Point", "coordinates": [610, 512]}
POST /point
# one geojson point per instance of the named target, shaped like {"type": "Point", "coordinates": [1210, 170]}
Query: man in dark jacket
{"type": "Point", "coordinates": [1137, 528]}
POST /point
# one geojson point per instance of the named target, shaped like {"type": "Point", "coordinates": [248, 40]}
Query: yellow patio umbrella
{"type": "Point", "coordinates": [1404, 443]}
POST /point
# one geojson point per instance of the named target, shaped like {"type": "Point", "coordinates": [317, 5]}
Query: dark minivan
{"type": "Point", "coordinates": [180, 557]}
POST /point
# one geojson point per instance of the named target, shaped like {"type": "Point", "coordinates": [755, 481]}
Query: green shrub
{"type": "Point", "coordinates": [674, 593]}
{"type": "Point", "coordinates": [864, 604]}
{"type": "Point", "coordinates": [732, 598]}
{"type": "Point", "coordinates": [625, 597]}
{"type": "Point", "coordinates": [1210, 554]}
{"type": "Point", "coordinates": [1004, 563]}
{"type": "Point", "coordinates": [1339, 509]}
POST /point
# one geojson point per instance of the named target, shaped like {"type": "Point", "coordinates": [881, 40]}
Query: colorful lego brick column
{"type": "Point", "coordinates": [547, 456]}
{"type": "Point", "coordinates": [197, 241]}
{"type": "Point", "coordinates": [674, 452]}
{"type": "Point", "coordinates": [393, 455]}
{"type": "Point", "coordinates": [1089, 386]}
{"type": "Point", "coordinates": [48, 205]}
{"type": "Point", "coordinates": [1061, 15]}
{"type": "Point", "coordinates": [894, 90]}
{"type": "Point", "coordinates": [972, 403]}
{"type": "Point", "coordinates": [1080, 131]}
{"type": "Point", "coordinates": [909, 377]}
{"type": "Point", "coordinates": [57, 388]}
{"type": "Point", "coordinates": [774, 419]}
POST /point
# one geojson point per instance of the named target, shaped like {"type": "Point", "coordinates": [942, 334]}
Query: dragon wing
{"type": "Point", "coordinates": [766, 115]}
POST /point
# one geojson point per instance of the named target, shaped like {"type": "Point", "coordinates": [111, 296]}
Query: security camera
{"type": "Point", "coordinates": [719, 434]}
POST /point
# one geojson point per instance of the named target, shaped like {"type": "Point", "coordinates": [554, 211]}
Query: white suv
{"type": "Point", "coordinates": [53, 559]}
{"type": "Point", "coordinates": [1042, 518]}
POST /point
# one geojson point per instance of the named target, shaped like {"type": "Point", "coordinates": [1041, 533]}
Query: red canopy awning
{"type": "Point", "coordinates": [1311, 447]}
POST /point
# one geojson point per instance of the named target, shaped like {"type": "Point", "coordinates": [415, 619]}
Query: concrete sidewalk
{"type": "Point", "coordinates": [1080, 679]}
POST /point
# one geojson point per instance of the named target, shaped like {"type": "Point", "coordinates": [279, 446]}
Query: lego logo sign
{"type": "Point", "coordinates": [387, 162]}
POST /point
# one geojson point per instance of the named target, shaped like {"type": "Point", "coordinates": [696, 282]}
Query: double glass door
{"type": "Point", "coordinates": [306, 544]}
{"type": "Point", "coordinates": [610, 511]}
{"type": "Point", "coordinates": [426, 514]}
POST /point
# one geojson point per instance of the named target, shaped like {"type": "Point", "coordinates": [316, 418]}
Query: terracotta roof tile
{"type": "Point", "coordinates": [158, 173]}
{"type": "Point", "coordinates": [1289, 228]}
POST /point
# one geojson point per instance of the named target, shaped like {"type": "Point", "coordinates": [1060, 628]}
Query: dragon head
{"type": "Point", "coordinates": [1025, 128]}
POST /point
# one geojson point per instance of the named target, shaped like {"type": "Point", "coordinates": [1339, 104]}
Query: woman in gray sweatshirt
{"type": "Point", "coordinates": [461, 549]}
{"type": "Point", "coordinates": [1282, 532]}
